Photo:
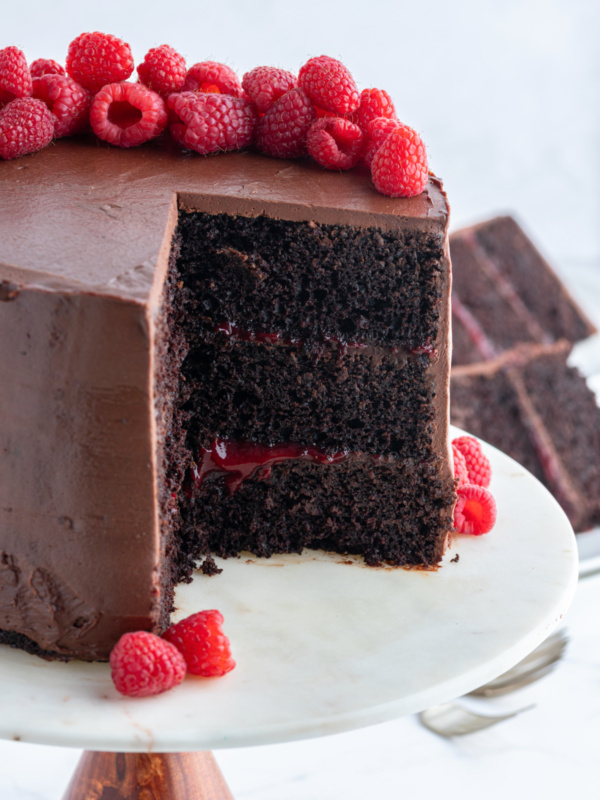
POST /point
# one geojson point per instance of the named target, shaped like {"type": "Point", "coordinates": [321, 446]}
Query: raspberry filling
{"type": "Point", "coordinates": [239, 461]}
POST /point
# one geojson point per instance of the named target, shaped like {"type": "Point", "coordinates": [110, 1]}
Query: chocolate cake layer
{"type": "Point", "coordinates": [384, 509]}
{"type": "Point", "coordinates": [308, 281]}
{"type": "Point", "coordinates": [532, 405]}
{"type": "Point", "coordinates": [505, 293]}
{"type": "Point", "coordinates": [332, 396]}
{"type": "Point", "coordinates": [89, 335]}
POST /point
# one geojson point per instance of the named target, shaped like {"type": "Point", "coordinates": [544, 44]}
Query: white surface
{"type": "Point", "coordinates": [549, 752]}
{"type": "Point", "coordinates": [588, 546]}
{"type": "Point", "coordinates": [324, 646]}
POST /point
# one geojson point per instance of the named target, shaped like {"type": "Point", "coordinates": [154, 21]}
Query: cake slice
{"type": "Point", "coordinates": [536, 408]}
{"type": "Point", "coordinates": [505, 293]}
{"type": "Point", "coordinates": [209, 355]}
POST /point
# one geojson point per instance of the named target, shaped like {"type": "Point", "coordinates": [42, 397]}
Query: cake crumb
{"type": "Point", "coordinates": [209, 567]}
{"type": "Point", "coordinates": [455, 559]}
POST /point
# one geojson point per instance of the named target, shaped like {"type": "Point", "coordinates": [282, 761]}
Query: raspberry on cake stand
{"type": "Point", "coordinates": [323, 644]}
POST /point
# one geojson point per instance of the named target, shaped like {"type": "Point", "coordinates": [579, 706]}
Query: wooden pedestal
{"type": "Point", "coordinates": [147, 776]}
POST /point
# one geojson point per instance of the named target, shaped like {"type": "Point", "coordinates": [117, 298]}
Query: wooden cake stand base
{"type": "Point", "coordinates": [147, 776]}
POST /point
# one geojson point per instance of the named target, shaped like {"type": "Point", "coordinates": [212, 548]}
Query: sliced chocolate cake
{"type": "Point", "coordinates": [505, 293]}
{"type": "Point", "coordinates": [530, 404]}
{"type": "Point", "coordinates": [208, 355]}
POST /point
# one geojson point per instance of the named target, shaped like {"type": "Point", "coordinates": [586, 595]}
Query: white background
{"type": "Point", "coordinates": [505, 95]}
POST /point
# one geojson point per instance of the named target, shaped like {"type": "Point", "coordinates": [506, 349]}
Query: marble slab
{"type": "Point", "coordinates": [323, 645]}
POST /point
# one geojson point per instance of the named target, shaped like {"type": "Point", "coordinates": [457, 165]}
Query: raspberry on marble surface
{"type": "Point", "coordinates": [204, 646]}
{"type": "Point", "coordinates": [478, 464]}
{"type": "Point", "coordinates": [475, 511]}
{"type": "Point", "coordinates": [143, 664]}
{"type": "Point", "coordinates": [461, 474]}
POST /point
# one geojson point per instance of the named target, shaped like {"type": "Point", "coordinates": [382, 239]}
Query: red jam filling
{"type": "Point", "coordinates": [229, 329]}
{"type": "Point", "coordinates": [239, 461]}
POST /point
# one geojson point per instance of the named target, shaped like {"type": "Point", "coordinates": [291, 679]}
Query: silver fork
{"type": "Point", "coordinates": [453, 719]}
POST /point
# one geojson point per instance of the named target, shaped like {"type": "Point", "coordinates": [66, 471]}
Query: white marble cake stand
{"type": "Point", "coordinates": [323, 643]}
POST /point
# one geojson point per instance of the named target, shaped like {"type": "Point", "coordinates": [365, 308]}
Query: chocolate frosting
{"type": "Point", "coordinates": [85, 233]}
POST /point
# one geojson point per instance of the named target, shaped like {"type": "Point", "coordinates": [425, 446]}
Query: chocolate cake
{"type": "Point", "coordinates": [505, 293]}
{"type": "Point", "coordinates": [530, 404]}
{"type": "Point", "coordinates": [209, 355]}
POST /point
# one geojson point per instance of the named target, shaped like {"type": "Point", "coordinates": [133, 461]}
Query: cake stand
{"type": "Point", "coordinates": [323, 644]}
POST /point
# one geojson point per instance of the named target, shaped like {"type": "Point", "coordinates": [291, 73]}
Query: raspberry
{"type": "Point", "coordinates": [378, 130]}
{"type": "Point", "coordinates": [212, 77]}
{"type": "Point", "coordinates": [127, 114]}
{"type": "Point", "coordinates": [475, 510]}
{"type": "Point", "coordinates": [162, 70]}
{"type": "Point", "coordinates": [374, 103]}
{"type": "Point", "coordinates": [46, 66]}
{"type": "Point", "coordinates": [265, 85]}
{"type": "Point", "coordinates": [143, 664]}
{"type": "Point", "coordinates": [461, 473]}
{"type": "Point", "coordinates": [329, 85]}
{"type": "Point", "coordinates": [203, 644]}
{"type": "Point", "coordinates": [478, 464]}
{"type": "Point", "coordinates": [282, 131]}
{"type": "Point", "coordinates": [208, 123]}
{"type": "Point", "coordinates": [15, 79]}
{"type": "Point", "coordinates": [335, 143]}
{"type": "Point", "coordinates": [26, 126]}
{"type": "Point", "coordinates": [68, 102]}
{"type": "Point", "coordinates": [96, 59]}
{"type": "Point", "coordinates": [399, 167]}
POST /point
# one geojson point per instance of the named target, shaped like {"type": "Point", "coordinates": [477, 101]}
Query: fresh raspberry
{"type": "Point", "coordinates": [46, 66]}
{"type": "Point", "coordinates": [96, 59]}
{"type": "Point", "coordinates": [142, 664]}
{"type": "Point", "coordinates": [265, 85]}
{"type": "Point", "coordinates": [335, 143]}
{"type": "Point", "coordinates": [127, 114]}
{"type": "Point", "coordinates": [374, 103]}
{"type": "Point", "coordinates": [203, 644]}
{"type": "Point", "coordinates": [320, 112]}
{"type": "Point", "coordinates": [15, 79]}
{"type": "Point", "coordinates": [68, 102]}
{"type": "Point", "coordinates": [212, 77]}
{"type": "Point", "coordinates": [26, 126]}
{"type": "Point", "coordinates": [162, 70]}
{"type": "Point", "coordinates": [475, 510]}
{"type": "Point", "coordinates": [329, 85]}
{"type": "Point", "coordinates": [282, 131]}
{"type": "Point", "coordinates": [399, 167]}
{"type": "Point", "coordinates": [478, 464]}
{"type": "Point", "coordinates": [209, 123]}
{"type": "Point", "coordinates": [461, 474]}
{"type": "Point", "coordinates": [377, 131]}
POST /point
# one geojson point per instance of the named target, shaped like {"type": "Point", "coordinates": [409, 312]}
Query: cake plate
{"type": "Point", "coordinates": [323, 644]}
